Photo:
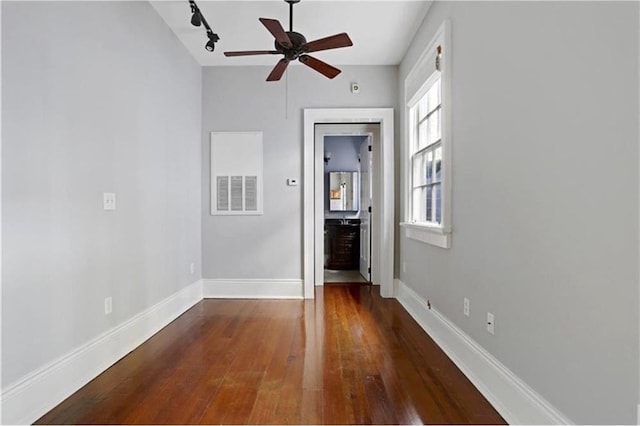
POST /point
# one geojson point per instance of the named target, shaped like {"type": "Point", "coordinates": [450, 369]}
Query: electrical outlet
{"type": "Point", "coordinates": [491, 323]}
{"type": "Point", "coordinates": [109, 200]}
{"type": "Point", "coordinates": [192, 268]}
{"type": "Point", "coordinates": [108, 305]}
{"type": "Point", "coordinates": [466, 307]}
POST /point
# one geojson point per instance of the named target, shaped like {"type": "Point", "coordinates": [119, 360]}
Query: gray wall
{"type": "Point", "coordinates": [238, 98]}
{"type": "Point", "coordinates": [545, 196]}
{"type": "Point", "coordinates": [345, 151]}
{"type": "Point", "coordinates": [97, 97]}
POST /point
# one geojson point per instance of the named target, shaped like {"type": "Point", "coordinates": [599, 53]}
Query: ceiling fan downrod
{"type": "Point", "coordinates": [291, 3]}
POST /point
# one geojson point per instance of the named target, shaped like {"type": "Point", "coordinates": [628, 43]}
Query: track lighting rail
{"type": "Point", "coordinates": [198, 19]}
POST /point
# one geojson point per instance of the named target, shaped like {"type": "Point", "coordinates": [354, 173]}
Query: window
{"type": "Point", "coordinates": [426, 155]}
{"type": "Point", "coordinates": [427, 145]}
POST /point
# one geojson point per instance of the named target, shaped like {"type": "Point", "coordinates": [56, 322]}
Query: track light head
{"type": "Point", "coordinates": [196, 19]}
{"type": "Point", "coordinates": [213, 38]}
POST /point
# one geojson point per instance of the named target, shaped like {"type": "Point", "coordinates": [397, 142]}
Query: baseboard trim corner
{"type": "Point", "coordinates": [252, 288]}
{"type": "Point", "coordinates": [38, 392]}
{"type": "Point", "coordinates": [510, 395]}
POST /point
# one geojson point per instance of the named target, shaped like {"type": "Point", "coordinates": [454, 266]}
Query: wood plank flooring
{"type": "Point", "coordinates": [347, 357]}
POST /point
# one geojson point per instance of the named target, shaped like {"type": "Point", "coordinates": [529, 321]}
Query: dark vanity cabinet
{"type": "Point", "coordinates": [343, 238]}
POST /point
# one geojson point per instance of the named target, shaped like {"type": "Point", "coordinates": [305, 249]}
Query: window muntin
{"type": "Point", "coordinates": [426, 155]}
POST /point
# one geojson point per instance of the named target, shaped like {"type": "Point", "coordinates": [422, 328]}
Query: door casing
{"type": "Point", "coordinates": [383, 209]}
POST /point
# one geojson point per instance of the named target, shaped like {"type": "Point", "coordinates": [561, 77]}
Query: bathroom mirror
{"type": "Point", "coordinates": [343, 191]}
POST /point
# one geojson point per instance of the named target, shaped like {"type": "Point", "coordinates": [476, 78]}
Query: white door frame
{"type": "Point", "coordinates": [383, 217]}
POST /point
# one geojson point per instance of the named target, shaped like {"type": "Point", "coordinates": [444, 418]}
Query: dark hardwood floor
{"type": "Point", "coordinates": [347, 357]}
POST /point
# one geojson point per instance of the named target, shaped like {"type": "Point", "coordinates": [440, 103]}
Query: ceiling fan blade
{"type": "Point", "coordinates": [331, 42]}
{"type": "Point", "coordinates": [275, 28]}
{"type": "Point", "coordinates": [322, 67]}
{"type": "Point", "coordinates": [251, 52]}
{"type": "Point", "coordinates": [278, 70]}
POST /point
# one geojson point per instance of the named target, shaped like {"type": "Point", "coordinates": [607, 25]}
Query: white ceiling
{"type": "Point", "coordinates": [380, 30]}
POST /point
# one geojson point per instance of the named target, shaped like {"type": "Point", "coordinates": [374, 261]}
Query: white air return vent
{"type": "Point", "coordinates": [236, 173]}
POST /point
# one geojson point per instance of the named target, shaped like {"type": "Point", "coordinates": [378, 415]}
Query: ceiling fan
{"type": "Point", "coordinates": [294, 46]}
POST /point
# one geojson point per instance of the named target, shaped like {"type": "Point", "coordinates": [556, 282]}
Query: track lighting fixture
{"type": "Point", "coordinates": [213, 38]}
{"type": "Point", "coordinates": [198, 19]}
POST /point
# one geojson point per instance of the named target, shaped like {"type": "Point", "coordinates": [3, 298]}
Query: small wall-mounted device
{"type": "Point", "coordinates": [292, 182]}
{"type": "Point", "coordinates": [109, 200]}
{"type": "Point", "coordinates": [355, 88]}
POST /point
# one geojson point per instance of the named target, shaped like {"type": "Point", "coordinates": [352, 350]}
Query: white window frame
{"type": "Point", "coordinates": [414, 150]}
{"type": "Point", "coordinates": [416, 85]}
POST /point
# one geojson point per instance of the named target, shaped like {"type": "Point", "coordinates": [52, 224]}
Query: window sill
{"type": "Point", "coordinates": [433, 235]}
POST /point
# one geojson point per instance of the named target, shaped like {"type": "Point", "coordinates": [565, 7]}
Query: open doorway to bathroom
{"type": "Point", "coordinates": [346, 196]}
{"type": "Point", "coordinates": [347, 201]}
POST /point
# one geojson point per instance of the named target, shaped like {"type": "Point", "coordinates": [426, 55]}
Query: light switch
{"type": "Point", "coordinates": [109, 200]}
{"type": "Point", "coordinates": [292, 182]}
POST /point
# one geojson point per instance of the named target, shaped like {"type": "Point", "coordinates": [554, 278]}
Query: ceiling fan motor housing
{"type": "Point", "coordinates": [292, 53]}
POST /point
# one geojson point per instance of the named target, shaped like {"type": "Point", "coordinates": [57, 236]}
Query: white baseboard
{"type": "Point", "coordinates": [252, 288]}
{"type": "Point", "coordinates": [34, 395]}
{"type": "Point", "coordinates": [513, 398]}
{"type": "Point", "coordinates": [38, 392]}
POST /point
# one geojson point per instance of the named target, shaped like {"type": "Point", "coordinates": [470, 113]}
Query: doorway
{"type": "Point", "coordinates": [381, 223]}
{"type": "Point", "coordinates": [344, 190]}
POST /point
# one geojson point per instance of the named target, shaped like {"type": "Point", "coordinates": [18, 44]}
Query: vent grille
{"type": "Point", "coordinates": [251, 193]}
{"type": "Point", "coordinates": [222, 202]}
{"type": "Point", "coordinates": [237, 193]}
{"type": "Point", "coordinates": [236, 174]}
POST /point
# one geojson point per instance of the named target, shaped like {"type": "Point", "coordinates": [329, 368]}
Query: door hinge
{"type": "Point", "coordinates": [369, 270]}
{"type": "Point", "coordinates": [369, 148]}
{"type": "Point", "coordinates": [369, 209]}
